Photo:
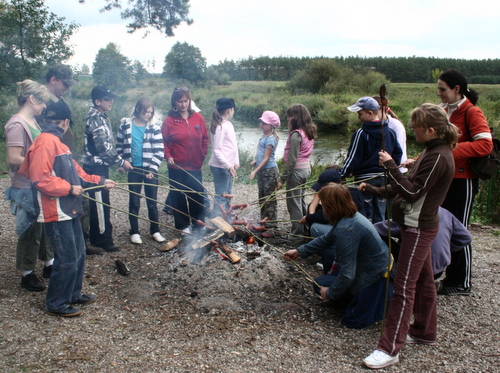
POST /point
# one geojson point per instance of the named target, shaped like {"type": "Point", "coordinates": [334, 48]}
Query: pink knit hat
{"type": "Point", "coordinates": [270, 117]}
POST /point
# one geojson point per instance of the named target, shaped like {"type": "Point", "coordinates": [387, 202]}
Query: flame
{"type": "Point", "coordinates": [250, 240]}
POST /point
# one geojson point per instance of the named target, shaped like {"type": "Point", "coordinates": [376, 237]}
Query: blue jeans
{"type": "Point", "coordinates": [318, 229]}
{"type": "Point", "coordinates": [66, 279]}
{"type": "Point", "coordinates": [364, 308]}
{"type": "Point", "coordinates": [138, 175]}
{"type": "Point", "coordinates": [223, 182]}
{"type": "Point", "coordinates": [377, 203]}
{"type": "Point", "coordinates": [188, 200]}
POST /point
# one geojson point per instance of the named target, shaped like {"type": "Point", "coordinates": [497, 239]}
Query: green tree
{"type": "Point", "coordinates": [85, 69]}
{"type": "Point", "coordinates": [436, 73]}
{"type": "Point", "coordinates": [139, 72]}
{"type": "Point", "coordinates": [31, 38]}
{"type": "Point", "coordinates": [111, 68]}
{"type": "Point", "coordinates": [184, 61]}
{"type": "Point", "coordinates": [161, 15]}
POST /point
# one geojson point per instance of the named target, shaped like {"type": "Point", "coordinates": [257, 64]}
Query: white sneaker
{"type": "Point", "coordinates": [136, 238]}
{"type": "Point", "coordinates": [415, 340]}
{"type": "Point", "coordinates": [379, 359]}
{"type": "Point", "coordinates": [158, 237]}
{"type": "Point", "coordinates": [186, 231]}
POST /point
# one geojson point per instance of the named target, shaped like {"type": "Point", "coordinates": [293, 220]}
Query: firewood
{"type": "Point", "coordinates": [223, 225]}
{"type": "Point", "coordinates": [233, 257]}
{"type": "Point", "coordinates": [169, 245]}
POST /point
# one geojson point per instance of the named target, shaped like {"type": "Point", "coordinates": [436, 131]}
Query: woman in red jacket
{"type": "Point", "coordinates": [185, 139]}
{"type": "Point", "coordinates": [474, 141]}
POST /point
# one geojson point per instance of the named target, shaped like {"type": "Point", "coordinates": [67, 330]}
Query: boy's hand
{"type": "Point", "coordinates": [109, 184]}
{"type": "Point", "coordinates": [76, 190]}
{"type": "Point", "coordinates": [383, 157]}
{"type": "Point", "coordinates": [362, 187]}
{"type": "Point", "coordinates": [127, 166]}
{"type": "Point", "coordinates": [252, 163]}
{"type": "Point", "coordinates": [279, 185]}
{"type": "Point", "coordinates": [252, 175]}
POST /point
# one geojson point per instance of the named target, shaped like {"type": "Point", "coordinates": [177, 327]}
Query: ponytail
{"type": "Point", "coordinates": [216, 120]}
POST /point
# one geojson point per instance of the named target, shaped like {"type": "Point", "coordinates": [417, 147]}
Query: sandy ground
{"type": "Point", "coordinates": [260, 315]}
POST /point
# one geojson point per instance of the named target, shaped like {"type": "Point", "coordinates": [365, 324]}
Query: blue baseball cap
{"type": "Point", "coordinates": [367, 103]}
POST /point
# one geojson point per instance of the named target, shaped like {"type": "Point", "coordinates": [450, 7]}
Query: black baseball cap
{"type": "Point", "coordinates": [58, 111]}
{"type": "Point", "coordinates": [327, 176]}
{"type": "Point", "coordinates": [225, 103]}
{"type": "Point", "coordinates": [102, 93]}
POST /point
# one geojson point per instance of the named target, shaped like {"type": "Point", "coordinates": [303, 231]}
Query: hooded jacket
{"type": "Point", "coordinates": [362, 156]}
{"type": "Point", "coordinates": [52, 171]}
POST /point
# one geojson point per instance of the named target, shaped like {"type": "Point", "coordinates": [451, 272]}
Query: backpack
{"type": "Point", "coordinates": [485, 167]}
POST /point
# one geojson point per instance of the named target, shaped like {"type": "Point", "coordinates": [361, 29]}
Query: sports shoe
{"type": "Point", "coordinates": [67, 312]}
{"type": "Point", "coordinates": [379, 359]}
{"type": "Point", "coordinates": [47, 271]}
{"type": "Point", "coordinates": [136, 238]}
{"type": "Point", "coordinates": [439, 286]}
{"type": "Point", "coordinates": [111, 248]}
{"type": "Point", "coordinates": [93, 250]}
{"type": "Point", "coordinates": [158, 237]}
{"type": "Point", "coordinates": [186, 231]}
{"type": "Point", "coordinates": [454, 290]}
{"type": "Point", "coordinates": [32, 282]}
{"type": "Point", "coordinates": [85, 299]}
{"type": "Point", "coordinates": [415, 340]}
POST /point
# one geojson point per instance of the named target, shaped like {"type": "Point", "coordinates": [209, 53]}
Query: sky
{"type": "Point", "coordinates": [236, 29]}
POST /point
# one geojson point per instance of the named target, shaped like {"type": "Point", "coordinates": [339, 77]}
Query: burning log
{"type": "Point", "coordinates": [233, 257]}
{"type": "Point", "coordinates": [202, 242]}
{"type": "Point", "coordinates": [169, 245]}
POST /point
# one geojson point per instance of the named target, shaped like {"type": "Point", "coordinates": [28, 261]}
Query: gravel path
{"type": "Point", "coordinates": [258, 316]}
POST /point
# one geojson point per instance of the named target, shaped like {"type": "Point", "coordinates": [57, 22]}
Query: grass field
{"type": "Point", "coordinates": [329, 111]}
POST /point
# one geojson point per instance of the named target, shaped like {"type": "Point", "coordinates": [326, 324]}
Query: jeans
{"type": "Point", "coordinates": [138, 175]}
{"type": "Point", "coordinates": [318, 229]}
{"type": "Point", "coordinates": [188, 206]}
{"type": "Point", "coordinates": [223, 182]}
{"type": "Point", "coordinates": [363, 308]}
{"type": "Point", "coordinates": [66, 279]}
{"type": "Point", "coordinates": [378, 204]}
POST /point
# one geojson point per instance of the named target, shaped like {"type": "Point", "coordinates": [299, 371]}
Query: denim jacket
{"type": "Point", "coordinates": [360, 254]}
{"type": "Point", "coordinates": [22, 206]}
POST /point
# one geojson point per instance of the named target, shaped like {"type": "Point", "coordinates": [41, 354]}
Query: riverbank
{"type": "Point", "coordinates": [258, 316]}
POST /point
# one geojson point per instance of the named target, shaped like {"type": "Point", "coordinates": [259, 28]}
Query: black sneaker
{"type": "Point", "coordinates": [47, 271]}
{"type": "Point", "coordinates": [111, 248]}
{"type": "Point", "coordinates": [67, 312]}
{"type": "Point", "coordinates": [85, 299]}
{"type": "Point", "coordinates": [454, 290]}
{"type": "Point", "coordinates": [92, 250]}
{"type": "Point", "coordinates": [32, 282]}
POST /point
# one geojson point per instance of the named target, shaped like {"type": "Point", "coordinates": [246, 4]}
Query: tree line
{"type": "Point", "coordinates": [397, 69]}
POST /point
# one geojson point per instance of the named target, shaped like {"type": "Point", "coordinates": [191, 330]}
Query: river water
{"type": "Point", "coordinates": [329, 148]}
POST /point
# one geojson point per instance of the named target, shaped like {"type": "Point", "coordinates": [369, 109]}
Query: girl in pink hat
{"type": "Point", "coordinates": [267, 169]}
